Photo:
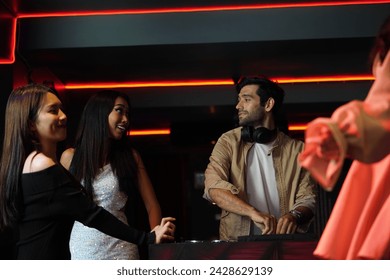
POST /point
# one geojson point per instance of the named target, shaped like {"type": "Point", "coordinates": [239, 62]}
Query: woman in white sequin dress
{"type": "Point", "coordinates": [111, 172]}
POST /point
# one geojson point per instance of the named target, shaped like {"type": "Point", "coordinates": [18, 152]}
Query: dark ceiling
{"type": "Point", "coordinates": [158, 45]}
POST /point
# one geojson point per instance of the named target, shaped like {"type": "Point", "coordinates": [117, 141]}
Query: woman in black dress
{"type": "Point", "coordinates": [37, 194]}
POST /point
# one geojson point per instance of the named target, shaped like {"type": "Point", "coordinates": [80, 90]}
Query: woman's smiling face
{"type": "Point", "coordinates": [50, 125]}
{"type": "Point", "coordinates": [118, 119]}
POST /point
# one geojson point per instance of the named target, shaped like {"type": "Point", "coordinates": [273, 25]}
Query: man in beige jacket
{"type": "Point", "coordinates": [253, 174]}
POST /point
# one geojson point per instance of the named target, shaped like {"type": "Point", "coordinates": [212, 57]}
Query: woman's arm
{"type": "Point", "coordinates": [147, 193]}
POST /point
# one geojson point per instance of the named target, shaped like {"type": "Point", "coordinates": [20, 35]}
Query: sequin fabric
{"type": "Point", "coordinates": [90, 244]}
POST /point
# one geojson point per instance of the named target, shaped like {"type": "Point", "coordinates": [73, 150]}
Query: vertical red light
{"type": "Point", "coordinates": [8, 38]}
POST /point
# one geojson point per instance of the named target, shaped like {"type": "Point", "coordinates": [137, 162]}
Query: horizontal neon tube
{"type": "Point", "coordinates": [150, 84]}
{"type": "Point", "coordinates": [297, 127]}
{"type": "Point", "coordinates": [200, 9]}
{"type": "Point", "coordinates": [167, 131]}
{"type": "Point", "coordinates": [146, 132]}
{"type": "Point", "coordinates": [325, 79]}
{"type": "Point", "coordinates": [11, 58]}
{"type": "Point", "coordinates": [227, 82]}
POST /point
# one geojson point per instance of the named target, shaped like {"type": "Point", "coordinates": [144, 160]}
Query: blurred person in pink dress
{"type": "Point", "coordinates": [359, 225]}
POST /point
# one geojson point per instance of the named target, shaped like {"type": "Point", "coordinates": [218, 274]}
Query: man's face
{"type": "Point", "coordinates": [250, 112]}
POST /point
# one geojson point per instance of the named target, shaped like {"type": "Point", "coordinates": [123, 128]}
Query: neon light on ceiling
{"type": "Point", "coordinates": [201, 9]}
{"type": "Point", "coordinates": [11, 58]}
{"type": "Point", "coordinates": [222, 82]}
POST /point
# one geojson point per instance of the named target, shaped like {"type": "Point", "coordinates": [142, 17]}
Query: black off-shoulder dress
{"type": "Point", "coordinates": [52, 201]}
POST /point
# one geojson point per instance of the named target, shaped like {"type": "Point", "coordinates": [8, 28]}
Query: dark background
{"type": "Point", "coordinates": [144, 41]}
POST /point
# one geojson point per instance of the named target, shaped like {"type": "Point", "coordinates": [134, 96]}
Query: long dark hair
{"type": "Point", "coordinates": [21, 111]}
{"type": "Point", "coordinates": [94, 147]}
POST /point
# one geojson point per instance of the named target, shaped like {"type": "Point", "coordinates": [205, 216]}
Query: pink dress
{"type": "Point", "coordinates": [359, 225]}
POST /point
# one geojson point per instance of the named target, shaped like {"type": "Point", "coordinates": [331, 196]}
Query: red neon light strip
{"type": "Point", "coordinates": [297, 127]}
{"type": "Point", "coordinates": [167, 131]}
{"type": "Point", "coordinates": [11, 57]}
{"type": "Point", "coordinates": [202, 9]}
{"type": "Point", "coordinates": [227, 82]}
{"type": "Point", "coordinates": [326, 79]}
{"type": "Point", "coordinates": [147, 132]}
{"type": "Point", "coordinates": [150, 84]}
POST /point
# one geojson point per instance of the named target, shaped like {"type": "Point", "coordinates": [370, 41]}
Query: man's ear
{"type": "Point", "coordinates": [269, 104]}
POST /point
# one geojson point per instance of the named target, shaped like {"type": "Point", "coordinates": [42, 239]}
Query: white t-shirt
{"type": "Point", "coordinates": [261, 183]}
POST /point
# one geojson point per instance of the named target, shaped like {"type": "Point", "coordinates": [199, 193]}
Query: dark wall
{"type": "Point", "coordinates": [6, 237]}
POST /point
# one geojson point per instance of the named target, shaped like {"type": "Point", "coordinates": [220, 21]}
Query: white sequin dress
{"type": "Point", "coordinates": [90, 244]}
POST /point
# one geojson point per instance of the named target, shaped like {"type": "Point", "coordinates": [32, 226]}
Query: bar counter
{"type": "Point", "coordinates": [277, 247]}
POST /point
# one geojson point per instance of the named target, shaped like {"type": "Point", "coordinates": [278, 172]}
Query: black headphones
{"type": "Point", "coordinates": [260, 135]}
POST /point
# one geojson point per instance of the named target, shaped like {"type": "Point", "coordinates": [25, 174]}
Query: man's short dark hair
{"type": "Point", "coordinates": [267, 89]}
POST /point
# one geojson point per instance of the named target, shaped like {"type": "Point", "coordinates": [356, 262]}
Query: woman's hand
{"type": "Point", "coordinates": [324, 144]}
{"type": "Point", "coordinates": [165, 231]}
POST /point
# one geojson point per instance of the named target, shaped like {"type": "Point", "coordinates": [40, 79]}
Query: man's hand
{"type": "Point", "coordinates": [287, 224]}
{"type": "Point", "coordinates": [266, 222]}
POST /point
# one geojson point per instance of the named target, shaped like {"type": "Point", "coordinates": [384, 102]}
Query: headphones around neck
{"type": "Point", "coordinates": [260, 135]}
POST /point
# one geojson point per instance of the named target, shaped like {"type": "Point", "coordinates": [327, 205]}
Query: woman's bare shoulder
{"type": "Point", "coordinates": [37, 162]}
{"type": "Point", "coordinates": [66, 157]}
